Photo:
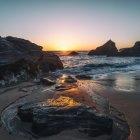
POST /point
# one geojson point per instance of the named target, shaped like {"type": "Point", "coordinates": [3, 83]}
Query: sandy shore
{"type": "Point", "coordinates": [125, 101]}
{"type": "Point", "coordinates": [11, 94]}
{"type": "Point", "coordinates": [129, 104]}
{"type": "Point", "coordinates": [7, 96]}
{"type": "Point", "coordinates": [125, 97]}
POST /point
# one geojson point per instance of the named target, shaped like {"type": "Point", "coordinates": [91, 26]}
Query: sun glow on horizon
{"type": "Point", "coordinates": [63, 46]}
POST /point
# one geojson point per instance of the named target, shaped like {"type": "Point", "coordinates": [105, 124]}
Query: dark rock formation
{"type": "Point", "coordinates": [73, 53]}
{"type": "Point", "coordinates": [133, 51]}
{"type": "Point", "coordinates": [21, 59]}
{"type": "Point", "coordinates": [56, 115]}
{"type": "Point", "coordinates": [108, 49]}
{"type": "Point", "coordinates": [82, 76]}
{"type": "Point", "coordinates": [61, 88]}
{"type": "Point", "coordinates": [50, 62]}
{"type": "Point", "coordinates": [23, 45]}
{"type": "Point", "coordinates": [69, 79]}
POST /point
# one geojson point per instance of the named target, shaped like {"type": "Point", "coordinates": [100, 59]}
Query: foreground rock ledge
{"type": "Point", "coordinates": [55, 115]}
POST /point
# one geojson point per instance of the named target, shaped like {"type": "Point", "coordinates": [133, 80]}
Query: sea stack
{"type": "Point", "coordinates": [133, 51]}
{"type": "Point", "coordinates": [108, 49]}
{"type": "Point", "coordinates": [73, 53]}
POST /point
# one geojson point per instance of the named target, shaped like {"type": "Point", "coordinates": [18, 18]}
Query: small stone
{"type": "Point", "coordinates": [70, 79]}
{"type": "Point", "coordinates": [47, 82]}
{"type": "Point", "coordinates": [24, 89]}
{"type": "Point", "coordinates": [84, 77]}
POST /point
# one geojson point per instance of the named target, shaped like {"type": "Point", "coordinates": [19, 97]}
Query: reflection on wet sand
{"type": "Point", "coordinates": [124, 82]}
{"type": "Point", "coordinates": [65, 83]}
{"type": "Point", "coordinates": [77, 95]}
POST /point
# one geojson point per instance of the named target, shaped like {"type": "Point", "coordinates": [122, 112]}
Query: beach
{"type": "Point", "coordinates": [126, 102]}
{"type": "Point", "coordinates": [104, 87]}
{"type": "Point", "coordinates": [70, 70]}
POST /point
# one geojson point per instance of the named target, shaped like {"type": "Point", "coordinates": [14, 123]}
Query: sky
{"type": "Point", "coordinates": [71, 24]}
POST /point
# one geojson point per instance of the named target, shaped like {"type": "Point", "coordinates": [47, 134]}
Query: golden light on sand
{"type": "Point", "coordinates": [63, 101]}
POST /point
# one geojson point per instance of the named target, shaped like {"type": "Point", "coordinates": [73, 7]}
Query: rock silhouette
{"type": "Point", "coordinates": [133, 51]}
{"type": "Point", "coordinates": [73, 53]}
{"type": "Point", "coordinates": [109, 49]}
{"type": "Point", "coordinates": [21, 59]}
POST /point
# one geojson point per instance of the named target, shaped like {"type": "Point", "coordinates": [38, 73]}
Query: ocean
{"type": "Point", "coordinates": [97, 65]}
{"type": "Point", "coordinates": [120, 73]}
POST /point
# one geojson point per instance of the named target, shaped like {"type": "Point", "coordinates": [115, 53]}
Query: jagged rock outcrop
{"type": "Point", "coordinates": [108, 49]}
{"type": "Point", "coordinates": [21, 59]}
{"type": "Point", "coordinates": [23, 45]}
{"type": "Point", "coordinates": [84, 77]}
{"type": "Point", "coordinates": [73, 53]}
{"type": "Point", "coordinates": [133, 51]}
{"type": "Point", "coordinates": [55, 115]}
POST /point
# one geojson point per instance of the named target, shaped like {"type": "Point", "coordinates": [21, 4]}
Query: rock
{"type": "Point", "coordinates": [23, 90]}
{"type": "Point", "coordinates": [18, 71]}
{"type": "Point", "coordinates": [84, 77]}
{"type": "Point", "coordinates": [133, 51]}
{"type": "Point", "coordinates": [55, 115]}
{"type": "Point", "coordinates": [62, 87]}
{"type": "Point", "coordinates": [66, 82]}
{"type": "Point", "coordinates": [109, 49]}
{"type": "Point", "coordinates": [70, 79]}
{"type": "Point", "coordinates": [73, 53]}
{"type": "Point", "coordinates": [21, 60]}
{"type": "Point", "coordinates": [25, 112]}
{"type": "Point", "coordinates": [47, 82]}
{"type": "Point", "coordinates": [50, 62]}
{"type": "Point", "coordinates": [23, 45]}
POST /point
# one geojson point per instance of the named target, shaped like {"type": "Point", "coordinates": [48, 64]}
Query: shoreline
{"type": "Point", "coordinates": [125, 102]}
{"type": "Point", "coordinates": [129, 105]}
{"type": "Point", "coordinates": [124, 99]}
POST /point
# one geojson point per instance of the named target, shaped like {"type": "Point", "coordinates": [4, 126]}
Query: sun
{"type": "Point", "coordinates": [63, 47]}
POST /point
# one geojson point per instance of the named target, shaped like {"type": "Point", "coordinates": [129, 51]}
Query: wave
{"type": "Point", "coordinates": [105, 65]}
{"type": "Point", "coordinates": [84, 64]}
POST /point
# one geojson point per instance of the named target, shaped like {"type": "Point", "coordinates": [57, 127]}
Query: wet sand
{"type": "Point", "coordinates": [129, 104]}
{"type": "Point", "coordinates": [125, 97]}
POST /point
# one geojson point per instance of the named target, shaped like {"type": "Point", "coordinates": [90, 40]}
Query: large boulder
{"type": "Point", "coordinates": [55, 115]}
{"type": "Point", "coordinates": [133, 51]}
{"type": "Point", "coordinates": [50, 62]}
{"type": "Point", "coordinates": [73, 53]}
{"type": "Point", "coordinates": [23, 45]}
{"type": "Point", "coordinates": [21, 59]}
{"type": "Point", "coordinates": [109, 49]}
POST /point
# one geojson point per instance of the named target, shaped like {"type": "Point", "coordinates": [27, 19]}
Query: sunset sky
{"type": "Point", "coordinates": [71, 24]}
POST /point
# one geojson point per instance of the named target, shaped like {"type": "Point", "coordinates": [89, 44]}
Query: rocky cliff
{"type": "Point", "coordinates": [21, 59]}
